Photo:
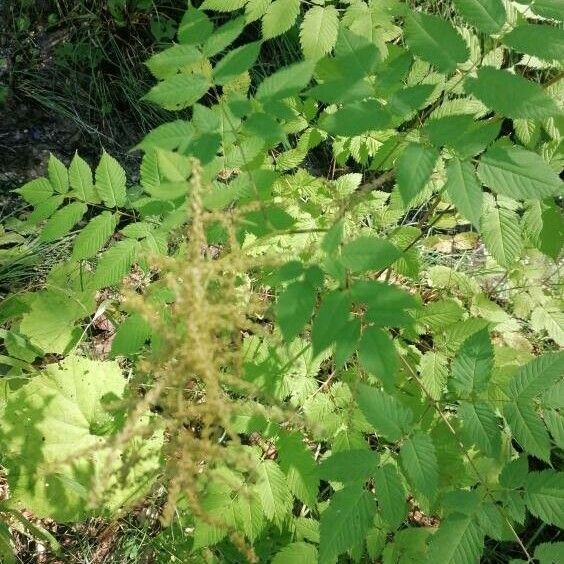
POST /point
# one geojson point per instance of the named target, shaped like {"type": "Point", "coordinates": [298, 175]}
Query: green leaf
{"type": "Point", "coordinates": [36, 191]}
{"type": "Point", "coordinates": [480, 427]}
{"type": "Point", "coordinates": [486, 15]}
{"type": "Point", "coordinates": [286, 82]}
{"type": "Point", "coordinates": [130, 336]}
{"type": "Point", "coordinates": [318, 31]}
{"type": "Point", "coordinates": [502, 234]}
{"type": "Point", "coordinates": [459, 540]}
{"type": "Point", "coordinates": [520, 174]}
{"type": "Point", "coordinates": [355, 465]}
{"type": "Point", "coordinates": [414, 169]}
{"type": "Point", "coordinates": [273, 491]}
{"type": "Point", "coordinates": [169, 136]}
{"type": "Point", "coordinates": [544, 496]}
{"type": "Point", "coordinates": [345, 522]}
{"type": "Point", "coordinates": [510, 95]}
{"type": "Point", "coordinates": [110, 182]}
{"type": "Point", "coordinates": [172, 60]}
{"type": "Point", "coordinates": [179, 91]}
{"type": "Point", "coordinates": [279, 17]}
{"type": "Point", "coordinates": [94, 236]}
{"type": "Point", "coordinates": [356, 118]}
{"type": "Point", "coordinates": [384, 412]}
{"type": "Point", "coordinates": [527, 428]}
{"type": "Point", "coordinates": [419, 461]}
{"type": "Point", "coordinates": [58, 175]}
{"type": "Point", "coordinates": [45, 209]}
{"type": "Point", "coordinates": [369, 253]}
{"type": "Point", "coordinates": [236, 62]}
{"type": "Point", "coordinates": [195, 27]}
{"type": "Point", "coordinates": [464, 189]}
{"type": "Point", "coordinates": [434, 40]}
{"type": "Point", "coordinates": [536, 376]}
{"type": "Point", "coordinates": [294, 308]}
{"type": "Point", "coordinates": [390, 495]}
{"type": "Point", "coordinates": [332, 316]}
{"type": "Point", "coordinates": [543, 41]}
{"type": "Point", "coordinates": [434, 373]}
{"type": "Point", "coordinates": [115, 263]}
{"type": "Point", "coordinates": [223, 5]}
{"type": "Point", "coordinates": [378, 356]}
{"type": "Point", "coordinates": [223, 36]}
{"type": "Point", "coordinates": [549, 553]}
{"type": "Point", "coordinates": [80, 177]}
{"type": "Point", "coordinates": [62, 221]}
{"type": "Point", "coordinates": [301, 552]}
{"type": "Point", "coordinates": [471, 369]}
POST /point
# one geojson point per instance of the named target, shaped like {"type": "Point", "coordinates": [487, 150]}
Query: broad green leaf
{"type": "Point", "coordinates": [236, 62]}
{"type": "Point", "coordinates": [551, 9]}
{"type": "Point", "coordinates": [36, 191]}
{"type": "Point", "coordinates": [178, 92]}
{"type": "Point", "coordinates": [502, 234]}
{"type": "Point", "coordinates": [172, 60]}
{"type": "Point", "coordinates": [249, 515]}
{"type": "Point", "coordinates": [273, 491]}
{"type": "Point", "coordinates": [464, 190]}
{"type": "Point", "coordinates": [301, 552]}
{"type": "Point", "coordinates": [480, 426]}
{"type": "Point", "coordinates": [543, 41]}
{"type": "Point", "coordinates": [549, 317]}
{"type": "Point", "coordinates": [332, 316]}
{"type": "Point", "coordinates": [348, 466]}
{"type": "Point", "coordinates": [279, 17]}
{"type": "Point", "coordinates": [356, 118]}
{"type": "Point", "coordinates": [81, 183]}
{"type": "Point", "coordinates": [419, 462]}
{"type": "Point", "coordinates": [544, 496]}
{"type": "Point", "coordinates": [390, 494]}
{"type": "Point", "coordinates": [294, 308]}
{"type": "Point", "coordinates": [223, 5]}
{"type": "Point", "coordinates": [62, 221]}
{"type": "Point", "coordinates": [434, 373]}
{"type": "Point", "coordinates": [414, 169]}
{"type": "Point", "coordinates": [223, 36]}
{"type": "Point", "coordinates": [195, 27]}
{"type": "Point", "coordinates": [58, 175]}
{"type": "Point", "coordinates": [318, 31]}
{"type": "Point", "coordinates": [169, 136]}
{"type": "Point", "coordinates": [440, 314]}
{"type": "Point", "coordinates": [459, 540]}
{"type": "Point", "coordinates": [130, 336]}
{"type": "Point", "coordinates": [488, 16]}
{"type": "Point", "coordinates": [345, 522]}
{"type": "Point", "coordinates": [471, 369]}
{"type": "Point", "coordinates": [536, 376]}
{"type": "Point", "coordinates": [288, 81]}
{"type": "Point", "coordinates": [110, 182]}
{"type": "Point", "coordinates": [510, 95]}
{"type": "Point", "coordinates": [384, 412]}
{"type": "Point", "coordinates": [434, 40]}
{"type": "Point", "coordinates": [369, 253]}
{"type": "Point", "coordinates": [527, 428]}
{"type": "Point", "coordinates": [520, 174]}
{"type": "Point", "coordinates": [378, 356]}
{"type": "Point", "coordinates": [115, 263]}
{"type": "Point", "coordinates": [94, 236]}
{"type": "Point", "coordinates": [549, 553]}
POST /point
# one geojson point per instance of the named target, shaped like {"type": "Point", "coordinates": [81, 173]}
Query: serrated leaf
{"type": "Point", "coordinates": [464, 190]}
{"type": "Point", "coordinates": [80, 177]}
{"type": "Point", "coordinates": [236, 62]}
{"type": "Point", "coordinates": [378, 356]}
{"type": "Point", "coordinates": [369, 253]}
{"type": "Point", "coordinates": [318, 31]}
{"type": "Point", "coordinates": [288, 81]}
{"type": "Point", "coordinates": [510, 95]}
{"type": "Point", "coordinates": [223, 5]}
{"type": "Point", "coordinates": [279, 17]}
{"type": "Point", "coordinates": [273, 491]}
{"type": "Point", "coordinates": [543, 41]}
{"type": "Point", "coordinates": [332, 316]}
{"type": "Point", "coordinates": [110, 182]}
{"type": "Point", "coordinates": [115, 263]}
{"type": "Point", "coordinates": [223, 36]}
{"type": "Point", "coordinates": [434, 373]}
{"type": "Point", "coordinates": [130, 336]}
{"type": "Point", "coordinates": [536, 376]}
{"type": "Point", "coordinates": [356, 118]}
{"type": "Point", "coordinates": [434, 40]}
{"type": "Point", "coordinates": [384, 412]}
{"type": "Point", "coordinates": [544, 496]}
{"type": "Point", "coordinates": [294, 308]}
{"type": "Point", "coordinates": [195, 27]}
{"type": "Point", "coordinates": [178, 92]}
{"type": "Point", "coordinates": [62, 221]}
{"type": "Point", "coordinates": [94, 236]}
{"type": "Point", "coordinates": [169, 136]}
{"type": "Point", "coordinates": [549, 552]}
{"type": "Point", "coordinates": [58, 175]}
{"type": "Point", "coordinates": [488, 16]}
{"type": "Point", "coordinates": [355, 465]}
{"type": "Point", "coordinates": [170, 61]}
{"type": "Point", "coordinates": [471, 369]}
{"type": "Point", "coordinates": [520, 174]}
{"type": "Point", "coordinates": [345, 522]}
{"type": "Point", "coordinates": [414, 169]}
{"type": "Point", "coordinates": [390, 495]}
{"type": "Point", "coordinates": [502, 234]}
{"type": "Point", "coordinates": [418, 459]}
{"type": "Point", "coordinates": [480, 427]}
{"type": "Point", "coordinates": [301, 552]}
{"type": "Point", "coordinates": [36, 191]}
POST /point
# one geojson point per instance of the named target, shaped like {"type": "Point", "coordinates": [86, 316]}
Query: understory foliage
{"type": "Point", "coordinates": [355, 361]}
